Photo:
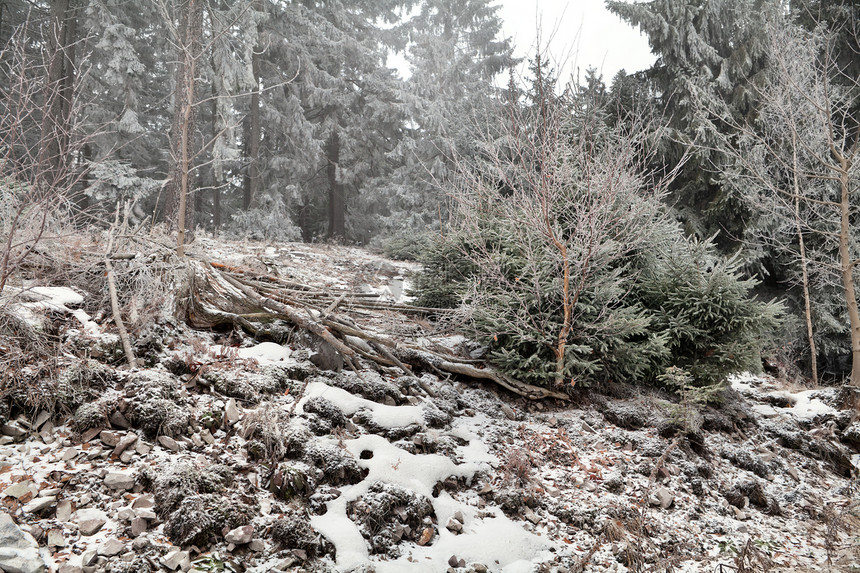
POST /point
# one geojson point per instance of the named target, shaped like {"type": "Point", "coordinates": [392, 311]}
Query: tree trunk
{"type": "Point", "coordinates": [847, 266]}
{"type": "Point", "coordinates": [804, 265]}
{"type": "Point", "coordinates": [252, 143]}
{"type": "Point", "coordinates": [336, 202]}
{"type": "Point", "coordinates": [179, 211]}
{"type": "Point", "coordinates": [56, 123]}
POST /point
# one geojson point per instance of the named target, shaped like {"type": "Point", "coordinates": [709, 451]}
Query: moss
{"type": "Point", "coordinates": [292, 530]}
{"type": "Point", "coordinates": [388, 514]}
{"type": "Point", "coordinates": [182, 480]}
{"type": "Point", "coordinates": [156, 403]}
{"type": "Point", "coordinates": [199, 519]}
{"type": "Point", "coordinates": [337, 465]}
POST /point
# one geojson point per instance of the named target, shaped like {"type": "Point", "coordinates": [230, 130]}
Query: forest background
{"type": "Point", "coordinates": [594, 227]}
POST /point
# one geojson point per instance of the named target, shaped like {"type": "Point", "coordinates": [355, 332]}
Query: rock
{"type": "Point", "coordinates": [109, 438]}
{"type": "Point", "coordinates": [454, 562]}
{"type": "Point", "coordinates": [508, 412]}
{"type": "Point", "coordinates": [169, 443]}
{"type": "Point", "coordinates": [90, 521]}
{"type": "Point", "coordinates": [206, 436]}
{"type": "Point", "coordinates": [125, 443]}
{"type": "Point", "coordinates": [531, 515]}
{"type": "Point", "coordinates": [138, 526]}
{"type": "Point", "coordinates": [64, 511]}
{"type": "Point", "coordinates": [478, 567]}
{"type": "Point", "coordinates": [55, 538]}
{"type": "Point", "coordinates": [144, 501]}
{"type": "Point", "coordinates": [426, 536]}
{"type": "Point", "coordinates": [13, 430]}
{"type": "Point", "coordinates": [19, 552]}
{"type": "Point", "coordinates": [40, 504]}
{"type": "Point", "coordinates": [70, 454]}
{"type": "Point", "coordinates": [111, 547]}
{"type": "Point", "coordinates": [662, 497]}
{"type": "Point", "coordinates": [240, 535]}
{"type": "Point", "coordinates": [18, 490]}
{"type": "Point", "coordinates": [454, 525]}
{"type": "Point", "coordinates": [119, 421]}
{"type": "Point", "coordinates": [89, 557]}
{"type": "Point", "coordinates": [125, 514]}
{"type": "Point", "coordinates": [119, 480]}
{"type": "Point", "coordinates": [68, 568]}
{"type": "Point", "coordinates": [257, 545]}
{"type": "Point", "coordinates": [232, 413]}
{"type": "Point", "coordinates": [177, 559]}
{"type": "Point", "coordinates": [41, 418]}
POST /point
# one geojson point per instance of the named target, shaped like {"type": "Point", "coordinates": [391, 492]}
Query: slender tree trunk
{"type": "Point", "coordinates": [179, 212]}
{"type": "Point", "coordinates": [336, 199]}
{"type": "Point", "coordinates": [804, 265]}
{"type": "Point", "coordinates": [847, 265]}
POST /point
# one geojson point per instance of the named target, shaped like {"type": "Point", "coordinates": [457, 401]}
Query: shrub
{"type": "Point", "coordinates": [570, 269]}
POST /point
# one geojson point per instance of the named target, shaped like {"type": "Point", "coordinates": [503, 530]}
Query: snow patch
{"type": "Point", "coordinates": [266, 353]}
{"type": "Point", "coordinates": [385, 416]}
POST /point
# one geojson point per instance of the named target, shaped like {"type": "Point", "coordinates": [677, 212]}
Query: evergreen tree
{"type": "Point", "coordinates": [455, 51]}
{"type": "Point", "coordinates": [709, 54]}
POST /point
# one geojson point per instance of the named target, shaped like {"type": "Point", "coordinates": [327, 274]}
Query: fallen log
{"type": "Point", "coordinates": [218, 297]}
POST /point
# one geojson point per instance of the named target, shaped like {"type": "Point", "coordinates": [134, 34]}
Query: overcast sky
{"type": "Point", "coordinates": [582, 32]}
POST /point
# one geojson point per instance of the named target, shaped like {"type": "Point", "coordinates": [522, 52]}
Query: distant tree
{"type": "Point", "coordinates": [455, 50]}
{"type": "Point", "coordinates": [709, 55]}
{"type": "Point", "coordinates": [801, 159]}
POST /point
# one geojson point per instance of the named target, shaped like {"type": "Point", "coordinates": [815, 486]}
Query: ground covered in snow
{"type": "Point", "coordinates": [222, 452]}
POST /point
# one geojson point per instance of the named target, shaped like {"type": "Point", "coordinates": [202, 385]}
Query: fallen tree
{"type": "Point", "coordinates": [226, 295]}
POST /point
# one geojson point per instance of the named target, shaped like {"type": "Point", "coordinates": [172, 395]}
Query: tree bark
{"type": "Point", "coordinates": [336, 199]}
{"type": "Point", "coordinates": [252, 143]}
{"type": "Point", "coordinates": [804, 265]}
{"type": "Point", "coordinates": [847, 264]}
{"type": "Point", "coordinates": [179, 211]}
{"type": "Point", "coordinates": [56, 122]}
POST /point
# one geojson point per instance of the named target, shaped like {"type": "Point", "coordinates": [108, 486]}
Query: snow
{"type": "Point", "coordinates": [385, 416]}
{"type": "Point", "coordinates": [60, 296]}
{"type": "Point", "coordinates": [491, 538]}
{"type": "Point", "coordinates": [805, 404]}
{"type": "Point", "coordinates": [266, 353]}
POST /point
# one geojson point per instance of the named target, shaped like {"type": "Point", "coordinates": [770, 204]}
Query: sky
{"type": "Point", "coordinates": [580, 34]}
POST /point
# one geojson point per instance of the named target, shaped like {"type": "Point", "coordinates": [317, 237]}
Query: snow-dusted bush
{"type": "Point", "coordinates": [570, 269]}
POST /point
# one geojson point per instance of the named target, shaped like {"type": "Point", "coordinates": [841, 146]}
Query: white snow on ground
{"type": "Point", "coordinates": [266, 353]}
{"type": "Point", "coordinates": [61, 296]}
{"type": "Point", "coordinates": [489, 537]}
{"type": "Point", "coordinates": [386, 416]}
{"type": "Point", "coordinates": [805, 405]}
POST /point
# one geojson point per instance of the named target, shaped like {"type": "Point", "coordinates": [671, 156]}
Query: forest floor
{"type": "Point", "coordinates": [223, 451]}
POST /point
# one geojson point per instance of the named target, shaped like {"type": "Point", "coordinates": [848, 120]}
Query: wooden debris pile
{"type": "Point", "coordinates": [227, 295]}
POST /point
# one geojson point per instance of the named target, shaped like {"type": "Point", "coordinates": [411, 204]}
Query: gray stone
{"type": "Point", "coordinates": [89, 557]}
{"type": "Point", "coordinates": [240, 535]}
{"type": "Point", "coordinates": [17, 490]}
{"type": "Point", "coordinates": [119, 421]}
{"type": "Point", "coordinates": [64, 511]}
{"type": "Point", "coordinates": [124, 443]}
{"type": "Point", "coordinates": [138, 526]}
{"type": "Point", "coordinates": [144, 501]}
{"type": "Point", "coordinates": [90, 521]}
{"type": "Point", "coordinates": [176, 559]}
{"type": "Point", "coordinates": [232, 413]}
{"type": "Point", "coordinates": [454, 525]}
{"type": "Point", "coordinates": [119, 480]}
{"type": "Point", "coordinates": [257, 545]}
{"type": "Point", "coordinates": [207, 437]}
{"type": "Point", "coordinates": [55, 538]}
{"type": "Point", "coordinates": [13, 430]}
{"type": "Point", "coordinates": [111, 547]}
{"type": "Point", "coordinates": [109, 438]}
{"type": "Point", "coordinates": [40, 504]}
{"type": "Point", "coordinates": [43, 417]}
{"type": "Point", "coordinates": [67, 568]}
{"type": "Point", "coordinates": [169, 443]}
{"type": "Point", "coordinates": [19, 552]}
{"type": "Point", "coordinates": [662, 497]}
